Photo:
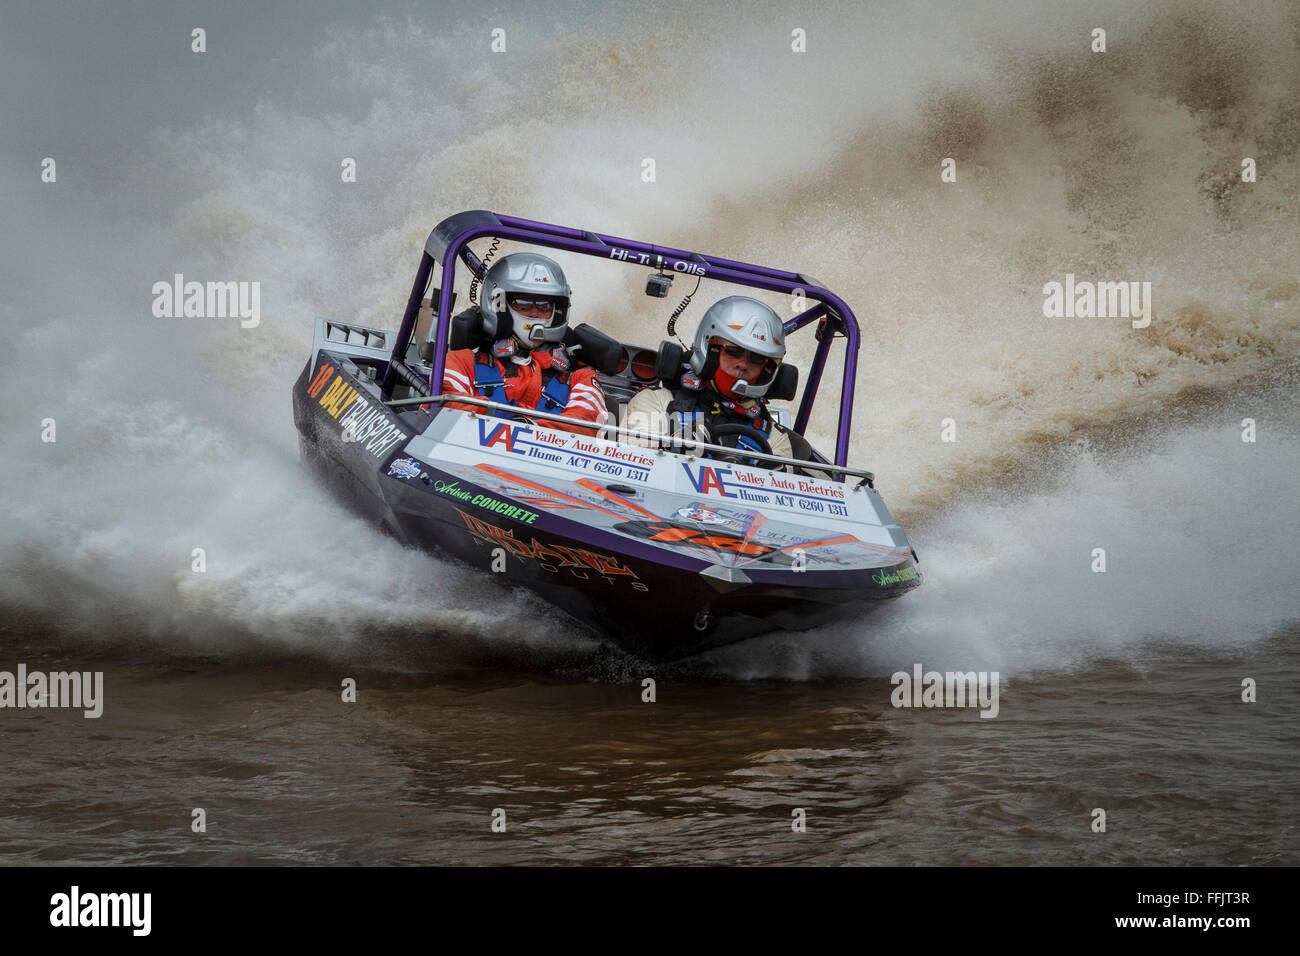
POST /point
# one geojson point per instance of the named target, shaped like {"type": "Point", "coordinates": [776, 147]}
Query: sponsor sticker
{"type": "Point", "coordinates": [404, 468]}
{"type": "Point", "coordinates": [553, 558]}
{"type": "Point", "coordinates": [679, 532]}
{"type": "Point", "coordinates": [486, 502]}
{"type": "Point", "coordinates": [894, 577]}
{"type": "Point", "coordinates": [562, 448]}
{"type": "Point", "coordinates": [360, 420]}
{"type": "Point", "coordinates": [697, 512]}
{"type": "Point", "coordinates": [767, 488]}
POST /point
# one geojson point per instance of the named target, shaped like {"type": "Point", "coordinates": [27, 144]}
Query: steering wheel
{"type": "Point", "coordinates": [724, 431]}
{"type": "Point", "coordinates": [523, 418]}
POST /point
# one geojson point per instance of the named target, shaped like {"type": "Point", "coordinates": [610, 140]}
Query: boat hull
{"type": "Point", "coordinates": [663, 554]}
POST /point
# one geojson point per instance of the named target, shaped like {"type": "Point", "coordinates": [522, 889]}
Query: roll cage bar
{"type": "Point", "coordinates": [450, 240]}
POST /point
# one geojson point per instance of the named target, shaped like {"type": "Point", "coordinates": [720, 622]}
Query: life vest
{"type": "Point", "coordinates": [490, 383]}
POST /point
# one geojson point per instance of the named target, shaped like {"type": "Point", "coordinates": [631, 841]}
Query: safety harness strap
{"type": "Point", "coordinates": [491, 384]}
{"type": "Point", "coordinates": [556, 392]}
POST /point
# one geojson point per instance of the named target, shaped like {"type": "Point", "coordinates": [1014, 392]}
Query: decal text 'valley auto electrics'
{"type": "Point", "coordinates": [562, 448]}
{"type": "Point", "coordinates": [767, 488]}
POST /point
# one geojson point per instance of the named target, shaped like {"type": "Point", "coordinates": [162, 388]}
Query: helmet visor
{"type": "Point", "coordinates": [753, 359]}
{"type": "Point", "coordinates": [756, 367]}
{"type": "Point", "coordinates": [532, 306]}
{"type": "Point", "coordinates": [537, 318]}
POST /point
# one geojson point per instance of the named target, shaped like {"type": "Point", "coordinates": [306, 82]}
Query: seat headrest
{"type": "Point", "coordinates": [597, 350]}
{"type": "Point", "coordinates": [668, 363]}
{"type": "Point", "coordinates": [471, 329]}
{"type": "Point", "coordinates": [786, 383]}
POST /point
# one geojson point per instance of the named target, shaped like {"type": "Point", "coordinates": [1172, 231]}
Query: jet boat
{"type": "Point", "coordinates": [666, 547]}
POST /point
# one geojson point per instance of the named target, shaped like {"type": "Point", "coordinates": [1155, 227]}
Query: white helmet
{"type": "Point", "coordinates": [527, 274]}
{"type": "Point", "coordinates": [747, 323]}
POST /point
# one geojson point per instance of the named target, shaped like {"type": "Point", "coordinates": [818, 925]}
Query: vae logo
{"type": "Point", "coordinates": [501, 434]}
{"type": "Point", "coordinates": [706, 478]}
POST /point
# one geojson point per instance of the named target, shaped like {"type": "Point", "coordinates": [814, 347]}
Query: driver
{"type": "Point", "coordinates": [734, 360]}
{"type": "Point", "coordinates": [527, 365]}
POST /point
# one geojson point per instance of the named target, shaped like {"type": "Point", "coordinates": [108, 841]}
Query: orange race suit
{"type": "Point", "coordinates": [545, 383]}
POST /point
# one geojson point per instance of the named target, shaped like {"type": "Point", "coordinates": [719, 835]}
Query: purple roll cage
{"type": "Point", "coordinates": [450, 240]}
